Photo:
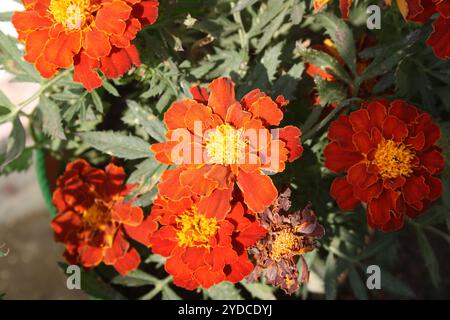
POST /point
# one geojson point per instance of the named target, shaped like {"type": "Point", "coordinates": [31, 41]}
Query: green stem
{"type": "Point", "coordinates": [157, 289]}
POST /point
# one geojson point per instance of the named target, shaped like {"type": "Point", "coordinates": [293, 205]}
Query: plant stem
{"type": "Point", "coordinates": [157, 289]}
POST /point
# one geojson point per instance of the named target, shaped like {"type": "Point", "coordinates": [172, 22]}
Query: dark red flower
{"type": "Point", "coordinates": [389, 155]}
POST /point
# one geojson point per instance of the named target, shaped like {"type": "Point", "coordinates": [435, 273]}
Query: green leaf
{"type": "Point", "coordinates": [51, 119]}
{"type": "Point", "coordinates": [259, 290]}
{"type": "Point", "coordinates": [286, 85]}
{"type": "Point", "coordinates": [331, 274]}
{"type": "Point", "coordinates": [357, 285]}
{"type": "Point", "coordinates": [16, 144]}
{"type": "Point", "coordinates": [271, 60]}
{"type": "Point", "coordinates": [330, 92]}
{"type": "Point", "coordinates": [94, 286]}
{"type": "Point", "coordinates": [97, 101]}
{"type": "Point", "coordinates": [342, 37]}
{"type": "Point", "coordinates": [395, 286]}
{"type": "Point", "coordinates": [117, 144]}
{"type": "Point", "coordinates": [9, 48]}
{"type": "Point", "coordinates": [224, 291]}
{"type": "Point", "coordinates": [110, 88]}
{"type": "Point", "coordinates": [136, 278]}
{"type": "Point", "coordinates": [136, 114]}
{"type": "Point", "coordinates": [428, 256]}
{"type": "Point", "coordinates": [5, 16]}
{"type": "Point", "coordinates": [22, 163]}
{"type": "Point", "coordinates": [325, 62]}
{"type": "Point", "coordinates": [242, 4]}
{"type": "Point", "coordinates": [298, 10]}
{"type": "Point", "coordinates": [169, 294]}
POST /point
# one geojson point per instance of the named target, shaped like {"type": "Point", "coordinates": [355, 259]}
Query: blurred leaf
{"type": "Point", "coordinates": [224, 291]}
{"type": "Point", "coordinates": [259, 290]}
{"type": "Point", "coordinates": [97, 101]}
{"type": "Point", "coordinates": [5, 16]}
{"type": "Point", "coordinates": [298, 10]}
{"type": "Point", "coordinates": [286, 85]}
{"type": "Point", "coordinates": [94, 286]}
{"type": "Point", "coordinates": [242, 4]}
{"type": "Point", "coordinates": [110, 88]}
{"type": "Point", "coordinates": [117, 144]}
{"type": "Point", "coordinates": [9, 48]}
{"type": "Point", "coordinates": [395, 286]}
{"type": "Point", "coordinates": [136, 278]}
{"type": "Point", "coordinates": [169, 294]}
{"type": "Point", "coordinates": [428, 256]}
{"type": "Point", "coordinates": [342, 37]}
{"type": "Point", "coordinates": [16, 144]}
{"type": "Point", "coordinates": [358, 286]}
{"type": "Point", "coordinates": [22, 163]}
{"type": "Point", "coordinates": [51, 119]}
{"type": "Point", "coordinates": [331, 274]}
{"type": "Point", "coordinates": [329, 92]}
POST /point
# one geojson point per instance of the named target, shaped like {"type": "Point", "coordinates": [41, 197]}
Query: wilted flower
{"type": "Point", "coordinates": [87, 34]}
{"type": "Point", "coordinates": [203, 249]}
{"type": "Point", "coordinates": [94, 221]}
{"type": "Point", "coordinates": [389, 154]}
{"type": "Point", "coordinates": [290, 234]}
{"type": "Point", "coordinates": [234, 145]}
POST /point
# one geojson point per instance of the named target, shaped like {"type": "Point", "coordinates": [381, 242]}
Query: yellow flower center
{"type": "Point", "coordinates": [284, 243]}
{"type": "Point", "coordinates": [393, 159]}
{"type": "Point", "coordinates": [225, 145]}
{"type": "Point", "coordinates": [70, 13]}
{"type": "Point", "coordinates": [195, 229]}
{"type": "Point", "coordinates": [96, 217]}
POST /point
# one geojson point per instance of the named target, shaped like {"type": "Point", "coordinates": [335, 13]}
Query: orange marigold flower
{"type": "Point", "coordinates": [289, 235]}
{"type": "Point", "coordinates": [89, 34]}
{"type": "Point", "coordinates": [203, 249]}
{"type": "Point", "coordinates": [344, 5]}
{"type": "Point", "coordinates": [94, 221]}
{"type": "Point", "coordinates": [389, 154]}
{"type": "Point", "coordinates": [221, 149]}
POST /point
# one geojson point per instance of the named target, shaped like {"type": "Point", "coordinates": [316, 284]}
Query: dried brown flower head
{"type": "Point", "coordinates": [290, 234]}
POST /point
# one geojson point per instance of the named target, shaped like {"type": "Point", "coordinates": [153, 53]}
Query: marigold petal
{"type": "Point", "coordinates": [61, 50]}
{"type": "Point", "coordinates": [217, 204]}
{"type": "Point", "coordinates": [266, 109]}
{"type": "Point", "coordinates": [129, 262]}
{"type": "Point", "coordinates": [119, 61]}
{"type": "Point", "coordinates": [221, 95]}
{"type": "Point", "coordinates": [291, 136]}
{"type": "Point", "coordinates": [345, 8]}
{"type": "Point", "coordinates": [258, 190]}
{"type": "Point", "coordinates": [394, 128]}
{"type": "Point", "coordinates": [35, 44]}
{"type": "Point", "coordinates": [27, 21]}
{"type": "Point", "coordinates": [342, 192]}
{"type": "Point", "coordinates": [338, 159]}
{"type": "Point", "coordinates": [146, 11]}
{"type": "Point", "coordinates": [90, 256]}
{"type": "Point", "coordinates": [96, 44]}
{"type": "Point", "coordinates": [360, 120]}
{"type": "Point", "coordinates": [111, 17]}
{"type": "Point", "coordinates": [84, 72]}
{"type": "Point", "coordinates": [142, 233]}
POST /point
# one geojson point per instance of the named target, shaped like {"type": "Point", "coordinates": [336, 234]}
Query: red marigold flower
{"type": "Point", "coordinates": [388, 153]}
{"type": "Point", "coordinates": [290, 234]}
{"type": "Point", "coordinates": [344, 5]}
{"type": "Point", "coordinates": [89, 34]}
{"type": "Point", "coordinates": [214, 126]}
{"type": "Point", "coordinates": [94, 221]}
{"type": "Point", "coordinates": [203, 249]}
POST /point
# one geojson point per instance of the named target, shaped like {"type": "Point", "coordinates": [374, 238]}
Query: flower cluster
{"type": "Point", "coordinates": [290, 234]}
{"type": "Point", "coordinates": [94, 221]}
{"type": "Point", "coordinates": [388, 152]}
{"type": "Point", "coordinates": [86, 34]}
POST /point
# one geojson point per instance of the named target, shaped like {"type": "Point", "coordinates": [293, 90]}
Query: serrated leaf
{"type": "Point", "coordinates": [224, 291]}
{"type": "Point", "coordinates": [271, 60]}
{"type": "Point", "coordinates": [342, 37]}
{"type": "Point", "coordinates": [117, 144]}
{"type": "Point", "coordinates": [259, 290]}
{"type": "Point", "coordinates": [298, 10]}
{"type": "Point", "coordinates": [325, 62]}
{"type": "Point", "coordinates": [136, 114]}
{"type": "Point", "coordinates": [22, 163]}
{"type": "Point", "coordinates": [51, 119]}
{"type": "Point", "coordinates": [97, 101]}
{"type": "Point", "coordinates": [286, 85]}
{"type": "Point", "coordinates": [110, 88]}
{"type": "Point", "coordinates": [242, 4]}
{"type": "Point", "coordinates": [330, 92]}
{"type": "Point", "coordinates": [16, 143]}
{"type": "Point", "coordinates": [357, 285]}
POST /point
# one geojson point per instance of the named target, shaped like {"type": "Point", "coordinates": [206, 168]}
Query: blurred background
{"type": "Point", "coordinates": [30, 269]}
